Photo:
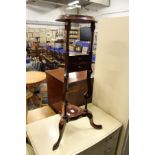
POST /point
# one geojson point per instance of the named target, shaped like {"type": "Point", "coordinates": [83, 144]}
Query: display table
{"type": "Point", "coordinates": [79, 136]}
{"type": "Point", "coordinates": [33, 79]}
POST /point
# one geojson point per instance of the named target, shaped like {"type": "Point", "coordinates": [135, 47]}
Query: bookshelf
{"type": "Point", "coordinates": [74, 35]}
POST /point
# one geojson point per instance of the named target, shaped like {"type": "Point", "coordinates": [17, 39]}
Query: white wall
{"type": "Point", "coordinates": [111, 78]}
{"type": "Point", "coordinates": [117, 8]}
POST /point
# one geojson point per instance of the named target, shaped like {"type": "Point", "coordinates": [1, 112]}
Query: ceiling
{"type": "Point", "coordinates": [43, 7]}
{"type": "Point", "coordinates": [56, 2]}
{"type": "Point", "coordinates": [60, 3]}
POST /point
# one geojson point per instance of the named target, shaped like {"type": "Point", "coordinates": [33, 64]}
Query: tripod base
{"type": "Point", "coordinates": [74, 113]}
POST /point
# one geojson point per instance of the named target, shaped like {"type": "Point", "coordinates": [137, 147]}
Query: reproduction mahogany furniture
{"type": "Point", "coordinates": [76, 63]}
{"type": "Point", "coordinates": [77, 87]}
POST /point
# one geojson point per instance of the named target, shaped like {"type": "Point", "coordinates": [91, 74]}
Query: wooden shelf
{"type": "Point", "coordinates": [73, 35]}
{"type": "Point", "coordinates": [74, 30]}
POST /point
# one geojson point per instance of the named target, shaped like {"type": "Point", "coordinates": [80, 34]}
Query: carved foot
{"type": "Point", "coordinates": [90, 116]}
{"type": "Point", "coordinates": [62, 124]}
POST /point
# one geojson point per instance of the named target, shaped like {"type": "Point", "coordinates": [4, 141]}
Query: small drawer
{"type": "Point", "coordinates": [79, 63]}
{"type": "Point", "coordinates": [79, 59]}
{"type": "Point", "coordinates": [78, 67]}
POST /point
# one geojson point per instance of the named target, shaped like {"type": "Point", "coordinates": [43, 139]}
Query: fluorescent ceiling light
{"type": "Point", "coordinates": [70, 7]}
{"type": "Point", "coordinates": [73, 3]}
{"type": "Point", "coordinates": [78, 6]}
{"type": "Point", "coordinates": [73, 7]}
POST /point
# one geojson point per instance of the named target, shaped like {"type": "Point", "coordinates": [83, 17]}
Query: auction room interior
{"type": "Point", "coordinates": [77, 77]}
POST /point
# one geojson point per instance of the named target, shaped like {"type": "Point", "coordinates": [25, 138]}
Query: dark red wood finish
{"type": "Point", "coordinates": [77, 87]}
{"type": "Point", "coordinates": [74, 64]}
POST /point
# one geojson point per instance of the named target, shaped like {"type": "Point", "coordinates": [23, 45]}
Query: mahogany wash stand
{"type": "Point", "coordinates": [76, 63]}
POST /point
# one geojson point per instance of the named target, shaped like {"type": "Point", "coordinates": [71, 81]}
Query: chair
{"type": "Point", "coordinates": [36, 63]}
{"type": "Point", "coordinates": [29, 66]}
{"type": "Point", "coordinates": [28, 96]}
{"type": "Point", "coordinates": [43, 95]}
{"type": "Point", "coordinates": [47, 64]}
